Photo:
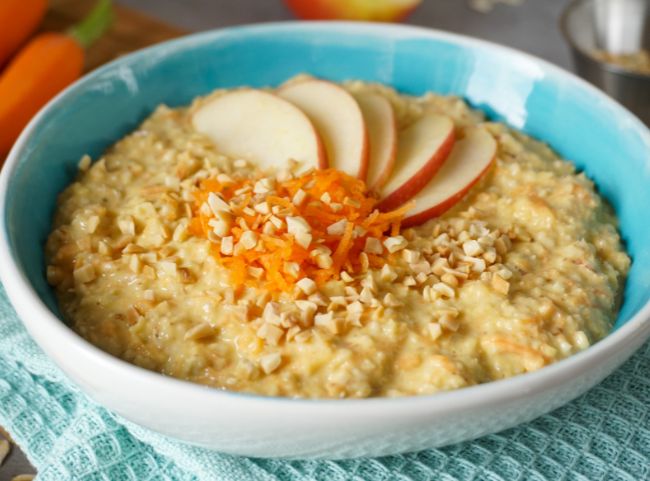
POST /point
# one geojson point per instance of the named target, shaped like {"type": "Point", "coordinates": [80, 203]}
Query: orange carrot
{"type": "Point", "coordinates": [278, 260]}
{"type": "Point", "coordinates": [19, 19]}
{"type": "Point", "coordinates": [45, 66]}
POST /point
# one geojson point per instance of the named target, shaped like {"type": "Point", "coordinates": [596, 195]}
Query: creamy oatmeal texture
{"type": "Point", "coordinates": [527, 269]}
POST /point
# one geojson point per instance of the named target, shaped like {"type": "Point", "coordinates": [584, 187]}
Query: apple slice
{"type": "Point", "coordinates": [260, 127]}
{"type": "Point", "coordinates": [470, 158]}
{"type": "Point", "coordinates": [422, 149]}
{"type": "Point", "coordinates": [382, 137]}
{"type": "Point", "coordinates": [338, 120]}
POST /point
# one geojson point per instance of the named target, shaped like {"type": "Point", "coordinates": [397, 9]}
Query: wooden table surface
{"type": "Point", "coordinates": [531, 27]}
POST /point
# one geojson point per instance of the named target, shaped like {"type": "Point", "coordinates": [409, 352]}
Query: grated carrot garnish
{"type": "Point", "coordinates": [330, 197]}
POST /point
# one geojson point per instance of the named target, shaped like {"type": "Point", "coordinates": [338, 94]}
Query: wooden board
{"type": "Point", "coordinates": [130, 30]}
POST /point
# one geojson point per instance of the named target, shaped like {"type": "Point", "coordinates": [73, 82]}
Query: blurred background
{"type": "Point", "coordinates": [529, 25]}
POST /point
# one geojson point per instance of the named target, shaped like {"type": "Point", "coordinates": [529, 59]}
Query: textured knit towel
{"type": "Point", "coordinates": [604, 435]}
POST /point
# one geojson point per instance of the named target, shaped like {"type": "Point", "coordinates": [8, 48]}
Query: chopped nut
{"type": "Point", "coordinates": [391, 301]}
{"type": "Point", "coordinates": [248, 239]}
{"type": "Point", "coordinates": [200, 331]}
{"type": "Point", "coordinates": [126, 225]}
{"type": "Point", "coordinates": [84, 163]}
{"type": "Point", "coordinates": [318, 299]}
{"type": "Point", "coordinates": [449, 322]}
{"type": "Point", "coordinates": [271, 313]}
{"type": "Point", "coordinates": [134, 264]}
{"type": "Point", "coordinates": [345, 277]}
{"type": "Point", "coordinates": [326, 198]}
{"type": "Point", "coordinates": [387, 273]}
{"type": "Point", "coordinates": [369, 282]}
{"type": "Point", "coordinates": [449, 279]}
{"type": "Point", "coordinates": [410, 256]}
{"type": "Point", "coordinates": [297, 224]}
{"type": "Point", "coordinates": [299, 197]}
{"type": "Point", "coordinates": [292, 268]}
{"type": "Point", "coordinates": [219, 227]}
{"type": "Point", "coordinates": [421, 278]}
{"type": "Point", "coordinates": [490, 255]}
{"type": "Point", "coordinates": [444, 289]}
{"type": "Point", "coordinates": [240, 163]}
{"type": "Point", "coordinates": [396, 243]}
{"type": "Point", "coordinates": [366, 296]}
{"type": "Point", "coordinates": [227, 245]}
{"type": "Point", "coordinates": [337, 228]}
{"type": "Point", "coordinates": [255, 272]}
{"type": "Point", "coordinates": [270, 333]}
{"type": "Point", "coordinates": [499, 284]}
{"type": "Point", "coordinates": [324, 261]}
{"type": "Point", "coordinates": [472, 248]}
{"type": "Point", "coordinates": [306, 285]}
{"type": "Point", "coordinates": [303, 239]}
{"type": "Point", "coordinates": [262, 208]}
{"type": "Point", "coordinates": [263, 186]}
{"type": "Point", "coordinates": [439, 266]}
{"type": "Point", "coordinates": [581, 340]}
{"type": "Point", "coordinates": [435, 331]}
{"type": "Point", "coordinates": [307, 311]}
{"type": "Point", "coordinates": [224, 179]}
{"type": "Point", "coordinates": [276, 221]}
{"type": "Point", "coordinates": [409, 281]}
{"type": "Point", "coordinates": [505, 273]}
{"type": "Point", "coordinates": [373, 246]}
{"type": "Point", "coordinates": [217, 204]}
{"type": "Point", "coordinates": [354, 311]}
{"type": "Point", "coordinates": [502, 244]}
{"type": "Point", "coordinates": [248, 211]}
{"type": "Point", "coordinates": [270, 362]}
{"type": "Point", "coordinates": [420, 267]}
{"type": "Point", "coordinates": [327, 321]}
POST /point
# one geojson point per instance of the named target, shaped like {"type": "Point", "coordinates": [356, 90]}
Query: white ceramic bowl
{"type": "Point", "coordinates": [578, 120]}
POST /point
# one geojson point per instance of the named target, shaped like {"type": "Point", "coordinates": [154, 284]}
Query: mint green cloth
{"type": "Point", "coordinates": [604, 435]}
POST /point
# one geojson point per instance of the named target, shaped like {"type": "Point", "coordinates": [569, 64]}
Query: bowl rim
{"type": "Point", "coordinates": [607, 66]}
{"type": "Point", "coordinates": [21, 293]}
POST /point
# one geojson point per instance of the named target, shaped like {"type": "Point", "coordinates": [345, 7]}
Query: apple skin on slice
{"type": "Point", "coordinates": [337, 118]}
{"type": "Point", "coordinates": [260, 127]}
{"type": "Point", "coordinates": [422, 149]}
{"type": "Point", "coordinates": [469, 160]}
{"type": "Point", "coordinates": [382, 137]}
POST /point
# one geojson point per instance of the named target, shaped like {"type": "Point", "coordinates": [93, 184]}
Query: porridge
{"type": "Point", "coordinates": [290, 280]}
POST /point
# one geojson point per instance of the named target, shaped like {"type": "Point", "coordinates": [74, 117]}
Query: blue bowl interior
{"type": "Point", "coordinates": [529, 95]}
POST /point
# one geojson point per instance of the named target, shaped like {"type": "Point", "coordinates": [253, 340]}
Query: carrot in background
{"type": "Point", "coordinates": [45, 66]}
{"type": "Point", "coordinates": [18, 20]}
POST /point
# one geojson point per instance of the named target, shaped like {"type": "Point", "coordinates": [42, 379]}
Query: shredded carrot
{"type": "Point", "coordinates": [330, 196]}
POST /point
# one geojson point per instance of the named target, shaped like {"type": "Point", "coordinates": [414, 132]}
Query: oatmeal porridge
{"type": "Point", "coordinates": [298, 280]}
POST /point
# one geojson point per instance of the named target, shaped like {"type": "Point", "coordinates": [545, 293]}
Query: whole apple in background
{"type": "Point", "coordinates": [371, 10]}
{"type": "Point", "coordinates": [422, 148]}
{"type": "Point", "coordinates": [338, 120]}
{"type": "Point", "coordinates": [468, 161]}
{"type": "Point", "coordinates": [260, 127]}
